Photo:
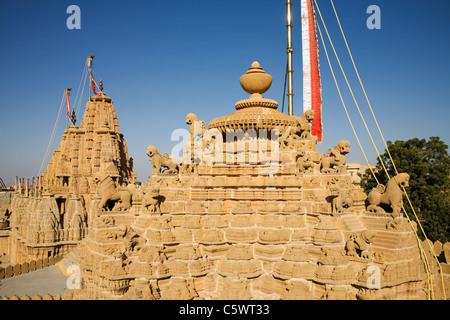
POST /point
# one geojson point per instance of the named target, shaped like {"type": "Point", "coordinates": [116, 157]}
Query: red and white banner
{"type": "Point", "coordinates": [312, 90]}
{"type": "Point", "coordinates": [89, 63]}
{"type": "Point", "coordinates": [67, 103]}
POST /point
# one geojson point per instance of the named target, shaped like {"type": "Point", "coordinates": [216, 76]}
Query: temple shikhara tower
{"type": "Point", "coordinates": [51, 219]}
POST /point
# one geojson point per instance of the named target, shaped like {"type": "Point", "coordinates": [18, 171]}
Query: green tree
{"type": "Point", "coordinates": [428, 164]}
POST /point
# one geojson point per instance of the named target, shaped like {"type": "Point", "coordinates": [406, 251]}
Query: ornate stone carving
{"type": "Point", "coordinates": [301, 130]}
{"type": "Point", "coordinates": [342, 202]}
{"type": "Point", "coordinates": [391, 195]}
{"type": "Point", "coordinates": [256, 112]}
{"type": "Point", "coordinates": [197, 129]}
{"type": "Point", "coordinates": [179, 289]}
{"type": "Point", "coordinates": [161, 161]}
{"type": "Point", "coordinates": [304, 162]}
{"type": "Point", "coordinates": [108, 191]}
{"type": "Point", "coordinates": [334, 161]}
{"type": "Point", "coordinates": [49, 227]}
{"type": "Point", "coordinates": [344, 197]}
{"type": "Point", "coordinates": [359, 244]}
{"type": "Point", "coordinates": [151, 200]}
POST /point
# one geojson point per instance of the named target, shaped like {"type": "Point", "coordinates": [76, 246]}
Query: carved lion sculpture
{"type": "Point", "coordinates": [304, 162]}
{"type": "Point", "coordinates": [391, 195]}
{"type": "Point", "coordinates": [360, 243]}
{"type": "Point", "coordinates": [301, 130]}
{"type": "Point", "coordinates": [197, 127]}
{"type": "Point", "coordinates": [151, 200]}
{"type": "Point", "coordinates": [109, 192]}
{"type": "Point", "coordinates": [342, 202]}
{"type": "Point", "coordinates": [159, 161]}
{"type": "Point", "coordinates": [197, 130]}
{"type": "Point", "coordinates": [334, 161]}
{"type": "Point", "coordinates": [304, 124]}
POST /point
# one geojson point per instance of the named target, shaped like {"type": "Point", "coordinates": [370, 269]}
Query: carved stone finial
{"type": "Point", "coordinates": [101, 85]}
{"type": "Point", "coordinates": [255, 112]}
{"type": "Point", "coordinates": [256, 80]}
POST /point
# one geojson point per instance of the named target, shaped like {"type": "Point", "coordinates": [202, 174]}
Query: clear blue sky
{"type": "Point", "coordinates": [160, 60]}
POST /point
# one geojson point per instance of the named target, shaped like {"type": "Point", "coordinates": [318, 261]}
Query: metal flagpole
{"type": "Point", "coordinates": [289, 51]}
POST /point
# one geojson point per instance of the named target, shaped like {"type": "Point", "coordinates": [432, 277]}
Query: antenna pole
{"type": "Point", "coordinates": [289, 51]}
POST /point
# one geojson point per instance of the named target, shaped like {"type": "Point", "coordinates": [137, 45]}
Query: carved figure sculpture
{"type": "Point", "coordinates": [390, 195]}
{"type": "Point", "coordinates": [302, 129]}
{"type": "Point", "coordinates": [109, 192]}
{"type": "Point", "coordinates": [304, 123]}
{"type": "Point", "coordinates": [196, 128]}
{"type": "Point", "coordinates": [360, 243]}
{"type": "Point", "coordinates": [151, 200]}
{"type": "Point", "coordinates": [342, 202]}
{"type": "Point", "coordinates": [159, 161]}
{"type": "Point", "coordinates": [304, 162]}
{"type": "Point", "coordinates": [334, 161]}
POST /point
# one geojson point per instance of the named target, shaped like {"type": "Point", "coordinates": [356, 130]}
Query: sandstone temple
{"type": "Point", "coordinates": [51, 218]}
{"type": "Point", "coordinates": [251, 210]}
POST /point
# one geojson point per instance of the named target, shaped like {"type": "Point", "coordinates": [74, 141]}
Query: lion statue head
{"type": "Point", "coordinates": [308, 115]}
{"type": "Point", "coordinates": [343, 147]}
{"type": "Point", "coordinates": [99, 177]}
{"type": "Point", "coordinates": [151, 151]}
{"type": "Point", "coordinates": [402, 179]}
{"type": "Point", "coordinates": [191, 118]}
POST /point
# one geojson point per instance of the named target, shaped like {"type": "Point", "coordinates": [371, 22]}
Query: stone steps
{"type": "Point", "coordinates": [387, 239]}
{"type": "Point", "coordinates": [377, 223]}
{"type": "Point", "coordinates": [351, 223]}
{"type": "Point", "coordinates": [72, 257]}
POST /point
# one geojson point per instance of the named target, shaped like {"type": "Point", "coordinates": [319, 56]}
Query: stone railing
{"type": "Point", "coordinates": [36, 297]}
{"type": "Point", "coordinates": [21, 268]}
